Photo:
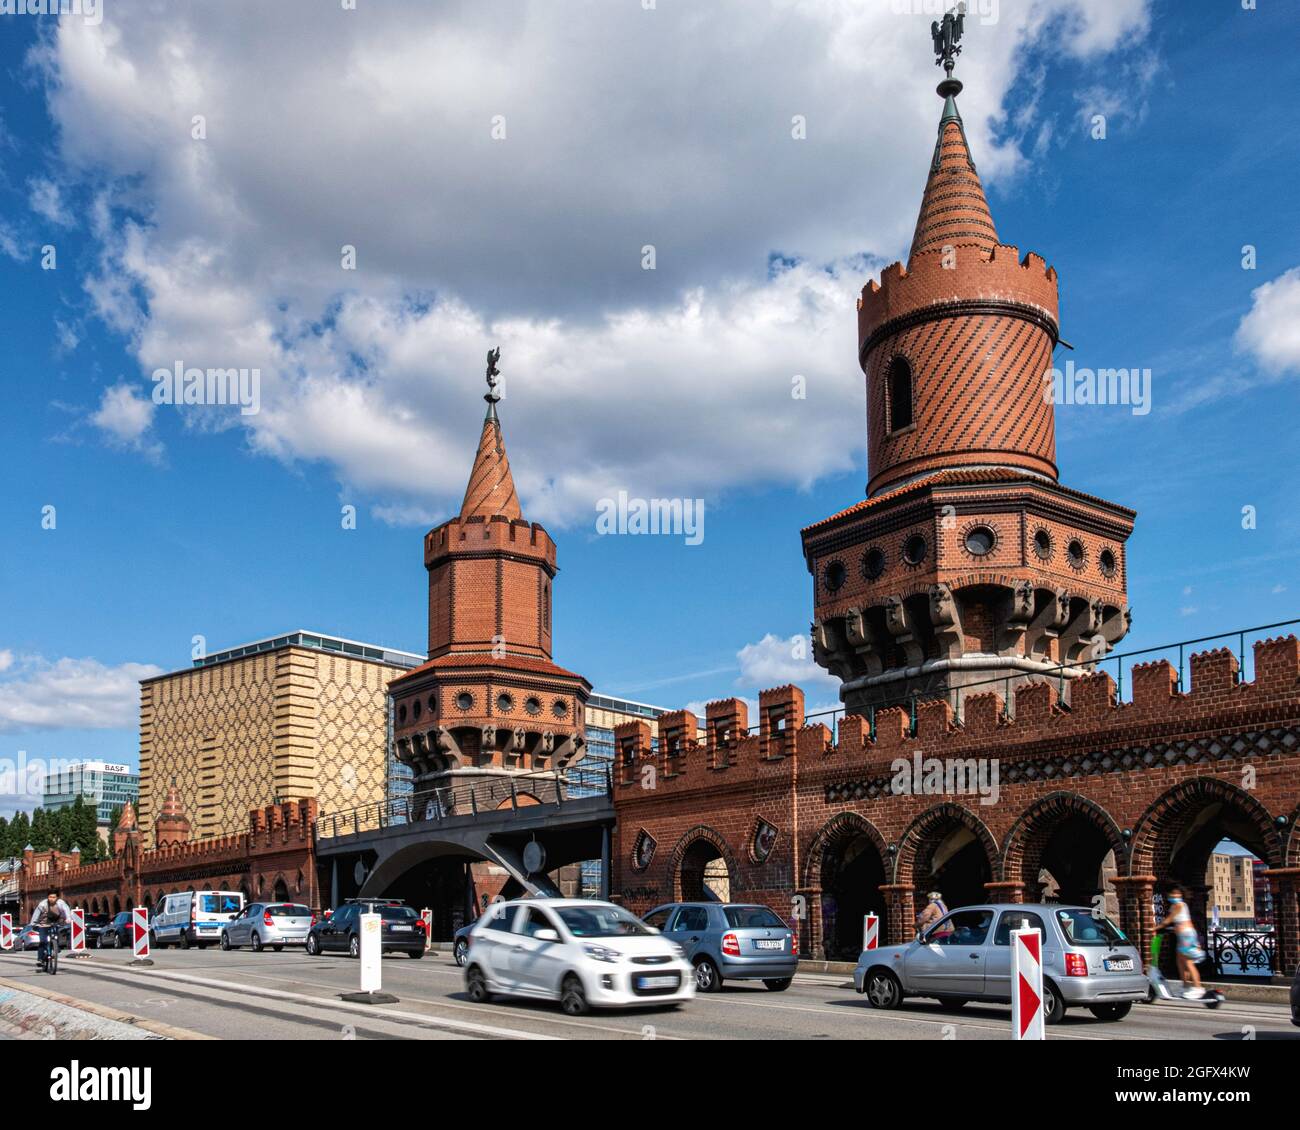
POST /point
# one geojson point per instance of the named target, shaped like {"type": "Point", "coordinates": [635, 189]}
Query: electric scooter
{"type": "Point", "coordinates": [1160, 989]}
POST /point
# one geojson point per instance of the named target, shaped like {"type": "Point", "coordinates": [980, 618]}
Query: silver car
{"type": "Point", "coordinates": [730, 941]}
{"type": "Point", "coordinates": [274, 924]}
{"type": "Point", "coordinates": [966, 956]}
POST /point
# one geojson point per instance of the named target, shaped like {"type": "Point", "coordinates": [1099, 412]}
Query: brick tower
{"type": "Point", "coordinates": [967, 561]}
{"type": "Point", "coordinates": [489, 698]}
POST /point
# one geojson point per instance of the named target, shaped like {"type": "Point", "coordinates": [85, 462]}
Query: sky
{"type": "Point", "coordinates": [359, 202]}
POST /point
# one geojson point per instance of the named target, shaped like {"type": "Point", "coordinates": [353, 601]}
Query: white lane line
{"type": "Point", "coordinates": [345, 1006]}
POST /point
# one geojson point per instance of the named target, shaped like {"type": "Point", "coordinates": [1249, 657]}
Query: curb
{"type": "Point", "coordinates": [166, 1031]}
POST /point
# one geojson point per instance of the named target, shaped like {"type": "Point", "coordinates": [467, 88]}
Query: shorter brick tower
{"type": "Point", "coordinates": [172, 826]}
{"type": "Point", "coordinates": [489, 699]}
{"type": "Point", "coordinates": [968, 561]}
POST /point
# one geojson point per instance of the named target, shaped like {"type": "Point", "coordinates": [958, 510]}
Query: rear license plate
{"type": "Point", "coordinates": [401, 929]}
{"type": "Point", "coordinates": [656, 982]}
{"type": "Point", "coordinates": [1119, 964]}
{"type": "Point", "coordinates": [777, 945]}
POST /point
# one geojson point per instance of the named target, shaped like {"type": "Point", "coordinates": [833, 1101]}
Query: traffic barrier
{"type": "Point", "coordinates": [371, 952]}
{"type": "Point", "coordinates": [1027, 1021]}
{"type": "Point", "coordinates": [78, 947]}
{"type": "Point", "coordinates": [140, 936]}
{"type": "Point", "coordinates": [426, 916]}
{"type": "Point", "coordinates": [6, 932]}
{"type": "Point", "coordinates": [870, 931]}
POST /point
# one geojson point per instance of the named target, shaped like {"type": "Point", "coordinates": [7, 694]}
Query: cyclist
{"type": "Point", "coordinates": [52, 914]}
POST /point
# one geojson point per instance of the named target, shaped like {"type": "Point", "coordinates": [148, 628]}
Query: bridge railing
{"type": "Point", "coordinates": [489, 793]}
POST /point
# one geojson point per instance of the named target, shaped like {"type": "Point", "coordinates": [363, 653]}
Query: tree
{"type": "Point", "coordinates": [114, 819]}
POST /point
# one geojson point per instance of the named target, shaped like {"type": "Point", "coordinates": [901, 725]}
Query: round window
{"type": "Point", "coordinates": [533, 705]}
{"type": "Point", "coordinates": [914, 549]}
{"type": "Point", "coordinates": [465, 700]}
{"type": "Point", "coordinates": [1043, 544]}
{"type": "Point", "coordinates": [980, 541]}
{"type": "Point", "coordinates": [873, 563]}
{"type": "Point", "coordinates": [1074, 551]}
{"type": "Point", "coordinates": [835, 576]}
{"type": "Point", "coordinates": [1108, 562]}
{"type": "Point", "coordinates": [505, 703]}
{"type": "Point", "coordinates": [559, 708]}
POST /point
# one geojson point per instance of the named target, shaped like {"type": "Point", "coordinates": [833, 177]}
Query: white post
{"type": "Point", "coordinates": [78, 932]}
{"type": "Point", "coordinates": [1027, 985]}
{"type": "Point", "coordinates": [6, 932]}
{"type": "Point", "coordinates": [426, 916]}
{"type": "Point", "coordinates": [372, 952]}
{"type": "Point", "coordinates": [140, 936]}
{"type": "Point", "coordinates": [870, 931]}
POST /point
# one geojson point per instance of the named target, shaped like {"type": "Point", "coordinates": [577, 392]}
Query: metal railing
{"type": "Point", "coordinates": [1243, 953]}
{"type": "Point", "coordinates": [489, 793]}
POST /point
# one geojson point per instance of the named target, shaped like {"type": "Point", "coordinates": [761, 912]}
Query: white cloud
{"type": "Point", "coordinates": [70, 694]}
{"type": "Point", "coordinates": [1270, 331]}
{"type": "Point", "coordinates": [126, 418]}
{"type": "Point", "coordinates": [774, 662]}
{"type": "Point", "coordinates": [624, 127]}
{"type": "Point", "coordinates": [46, 200]}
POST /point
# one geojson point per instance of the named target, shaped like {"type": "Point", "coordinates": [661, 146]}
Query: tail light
{"type": "Point", "coordinates": [313, 918]}
{"type": "Point", "coordinates": [1076, 965]}
{"type": "Point", "coordinates": [794, 942]}
{"type": "Point", "coordinates": [731, 945]}
{"type": "Point", "coordinates": [266, 918]}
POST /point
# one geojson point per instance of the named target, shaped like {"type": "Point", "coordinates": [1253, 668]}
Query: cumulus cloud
{"type": "Point", "coordinates": [126, 419]}
{"type": "Point", "coordinates": [773, 662]}
{"type": "Point", "coordinates": [46, 201]}
{"type": "Point", "coordinates": [499, 171]}
{"type": "Point", "coordinates": [69, 694]}
{"type": "Point", "coordinates": [1270, 331]}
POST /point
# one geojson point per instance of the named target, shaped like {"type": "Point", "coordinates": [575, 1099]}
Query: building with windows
{"type": "Point", "coordinates": [1231, 895]}
{"type": "Point", "coordinates": [104, 785]}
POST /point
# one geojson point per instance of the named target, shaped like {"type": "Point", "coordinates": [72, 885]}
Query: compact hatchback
{"type": "Point", "coordinates": [401, 929]}
{"type": "Point", "coordinates": [966, 956]}
{"type": "Point", "coordinates": [726, 941]}
{"type": "Point", "coordinates": [579, 952]}
{"type": "Point", "coordinates": [274, 924]}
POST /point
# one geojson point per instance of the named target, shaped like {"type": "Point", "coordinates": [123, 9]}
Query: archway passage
{"type": "Point", "coordinates": [852, 873]}
{"type": "Point", "coordinates": [705, 876]}
{"type": "Point", "coordinates": [950, 851]}
{"type": "Point", "coordinates": [1066, 849]}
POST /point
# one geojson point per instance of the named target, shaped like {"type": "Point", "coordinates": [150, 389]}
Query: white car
{"type": "Point", "coordinates": [579, 952]}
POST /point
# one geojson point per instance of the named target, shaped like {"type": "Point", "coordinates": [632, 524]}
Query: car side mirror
{"type": "Point", "coordinates": [547, 936]}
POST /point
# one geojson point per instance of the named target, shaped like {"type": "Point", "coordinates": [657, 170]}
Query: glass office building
{"type": "Point", "coordinates": [100, 783]}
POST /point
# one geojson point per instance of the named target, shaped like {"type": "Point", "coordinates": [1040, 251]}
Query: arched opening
{"type": "Point", "coordinates": [1066, 849]}
{"type": "Point", "coordinates": [900, 394]}
{"type": "Point", "coordinates": [705, 876]}
{"type": "Point", "coordinates": [852, 872]}
{"type": "Point", "coordinates": [280, 892]}
{"type": "Point", "coordinates": [948, 850]}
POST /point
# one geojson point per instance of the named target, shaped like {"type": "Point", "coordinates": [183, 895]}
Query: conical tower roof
{"type": "Point", "coordinates": [491, 489]}
{"type": "Point", "coordinates": [954, 210]}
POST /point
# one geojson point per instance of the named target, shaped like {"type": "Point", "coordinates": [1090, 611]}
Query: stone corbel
{"type": "Point", "coordinates": [1079, 635]}
{"type": "Point", "coordinates": [1049, 622]}
{"type": "Point", "coordinates": [1019, 612]}
{"type": "Point", "coordinates": [898, 622]}
{"type": "Point", "coordinates": [828, 651]}
{"type": "Point", "coordinates": [946, 621]}
{"type": "Point", "coordinates": [858, 630]}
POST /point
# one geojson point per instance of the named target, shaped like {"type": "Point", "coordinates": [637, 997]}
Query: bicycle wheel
{"type": "Point", "coordinates": [52, 962]}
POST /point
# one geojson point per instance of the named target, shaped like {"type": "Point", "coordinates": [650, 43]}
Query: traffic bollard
{"type": "Point", "coordinates": [426, 916]}
{"type": "Point", "coordinates": [140, 936]}
{"type": "Point", "coordinates": [371, 954]}
{"type": "Point", "coordinates": [6, 932]}
{"type": "Point", "coordinates": [1027, 985]}
{"type": "Point", "coordinates": [78, 929]}
{"type": "Point", "coordinates": [870, 931]}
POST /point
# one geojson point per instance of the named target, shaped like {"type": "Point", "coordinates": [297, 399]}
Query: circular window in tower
{"type": "Point", "coordinates": [1075, 554]}
{"type": "Point", "coordinates": [505, 704]}
{"type": "Point", "coordinates": [980, 541]}
{"type": "Point", "coordinates": [559, 708]}
{"type": "Point", "coordinates": [465, 701]}
{"type": "Point", "coordinates": [1042, 544]}
{"type": "Point", "coordinates": [914, 549]}
{"type": "Point", "coordinates": [835, 576]}
{"type": "Point", "coordinates": [1106, 559]}
{"type": "Point", "coordinates": [533, 705]}
{"type": "Point", "coordinates": [873, 563]}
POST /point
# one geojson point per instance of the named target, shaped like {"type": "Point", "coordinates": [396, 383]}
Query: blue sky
{"type": "Point", "coordinates": [672, 383]}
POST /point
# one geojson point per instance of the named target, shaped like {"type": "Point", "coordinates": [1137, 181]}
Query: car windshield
{"type": "Point", "coordinates": [601, 922]}
{"type": "Point", "coordinates": [288, 910]}
{"type": "Point", "coordinates": [751, 917]}
{"type": "Point", "coordinates": [1083, 928]}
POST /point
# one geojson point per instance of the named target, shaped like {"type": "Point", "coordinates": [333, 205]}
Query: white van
{"type": "Point", "coordinates": [194, 918]}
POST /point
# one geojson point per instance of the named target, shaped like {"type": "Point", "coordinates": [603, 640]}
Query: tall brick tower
{"type": "Point", "coordinates": [967, 561]}
{"type": "Point", "coordinates": [489, 698]}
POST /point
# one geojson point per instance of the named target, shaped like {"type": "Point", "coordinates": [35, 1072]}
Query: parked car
{"type": "Point", "coordinates": [194, 917]}
{"type": "Point", "coordinates": [29, 939]}
{"type": "Point", "coordinates": [95, 923]}
{"type": "Point", "coordinates": [726, 941]}
{"type": "Point", "coordinates": [401, 929]}
{"type": "Point", "coordinates": [274, 924]}
{"type": "Point", "coordinates": [1295, 998]}
{"type": "Point", "coordinates": [965, 956]}
{"type": "Point", "coordinates": [116, 933]}
{"type": "Point", "coordinates": [579, 952]}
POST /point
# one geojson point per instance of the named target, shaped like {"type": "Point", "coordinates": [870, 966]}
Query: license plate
{"type": "Point", "coordinates": [1119, 964]}
{"type": "Point", "coordinates": [401, 929]}
{"type": "Point", "coordinates": [776, 945]}
{"type": "Point", "coordinates": [657, 982]}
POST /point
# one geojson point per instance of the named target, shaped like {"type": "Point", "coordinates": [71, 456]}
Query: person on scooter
{"type": "Point", "coordinates": [1187, 944]}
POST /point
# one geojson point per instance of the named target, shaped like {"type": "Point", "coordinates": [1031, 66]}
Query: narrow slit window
{"type": "Point", "coordinates": [900, 394]}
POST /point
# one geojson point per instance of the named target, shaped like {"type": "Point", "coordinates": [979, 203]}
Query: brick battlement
{"type": "Point", "coordinates": [1091, 717]}
{"type": "Point", "coordinates": [477, 534]}
{"type": "Point", "coordinates": [1000, 275]}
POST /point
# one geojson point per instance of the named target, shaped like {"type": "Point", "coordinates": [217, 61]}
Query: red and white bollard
{"type": "Point", "coordinates": [140, 936]}
{"type": "Point", "coordinates": [870, 931]}
{"type": "Point", "coordinates": [426, 916]}
{"type": "Point", "coordinates": [78, 948]}
{"type": "Point", "coordinates": [1027, 1022]}
{"type": "Point", "coordinates": [6, 932]}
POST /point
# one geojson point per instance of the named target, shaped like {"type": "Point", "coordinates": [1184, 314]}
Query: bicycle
{"type": "Point", "coordinates": [50, 963]}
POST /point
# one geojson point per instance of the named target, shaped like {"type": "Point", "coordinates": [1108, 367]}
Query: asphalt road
{"type": "Point", "coordinates": [288, 995]}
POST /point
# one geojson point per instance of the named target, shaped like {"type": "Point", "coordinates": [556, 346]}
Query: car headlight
{"type": "Point", "coordinates": [600, 953]}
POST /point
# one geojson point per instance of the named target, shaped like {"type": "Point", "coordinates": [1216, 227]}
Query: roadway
{"type": "Point", "coordinates": [288, 995]}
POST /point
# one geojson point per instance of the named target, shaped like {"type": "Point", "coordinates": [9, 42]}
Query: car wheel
{"type": "Point", "coordinates": [313, 946]}
{"type": "Point", "coordinates": [277, 948]}
{"type": "Point", "coordinates": [778, 984]}
{"type": "Point", "coordinates": [707, 977]}
{"type": "Point", "coordinates": [225, 940]}
{"type": "Point", "coordinates": [1053, 1004]}
{"type": "Point", "coordinates": [460, 951]}
{"type": "Point", "coordinates": [354, 947]}
{"type": "Point", "coordinates": [883, 989]}
{"type": "Point", "coordinates": [573, 997]}
{"type": "Point", "coordinates": [952, 1002]}
{"type": "Point", "coordinates": [417, 954]}
{"type": "Point", "coordinates": [1111, 1011]}
{"type": "Point", "coordinates": [185, 940]}
{"type": "Point", "coordinates": [476, 985]}
{"type": "Point", "coordinates": [256, 941]}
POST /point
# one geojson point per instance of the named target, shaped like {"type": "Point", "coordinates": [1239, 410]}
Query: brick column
{"type": "Point", "coordinates": [1006, 890]}
{"type": "Point", "coordinates": [1137, 917]}
{"type": "Point", "coordinates": [1284, 887]}
{"type": "Point", "coordinates": [901, 901]}
{"type": "Point", "coordinates": [811, 942]}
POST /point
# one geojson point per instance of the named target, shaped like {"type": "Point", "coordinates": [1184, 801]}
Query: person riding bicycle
{"type": "Point", "coordinates": [52, 914]}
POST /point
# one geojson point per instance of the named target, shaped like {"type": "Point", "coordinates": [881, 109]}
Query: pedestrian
{"type": "Point", "coordinates": [1187, 945]}
{"type": "Point", "coordinates": [934, 911]}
